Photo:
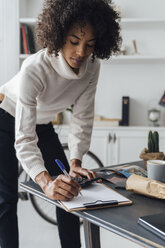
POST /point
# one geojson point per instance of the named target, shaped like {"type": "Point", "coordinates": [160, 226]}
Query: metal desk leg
{"type": "Point", "coordinates": [92, 235]}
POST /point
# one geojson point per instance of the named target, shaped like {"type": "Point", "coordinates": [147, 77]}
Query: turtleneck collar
{"type": "Point", "coordinates": [60, 65]}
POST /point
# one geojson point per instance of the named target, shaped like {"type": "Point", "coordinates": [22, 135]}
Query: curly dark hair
{"type": "Point", "coordinates": [58, 15]}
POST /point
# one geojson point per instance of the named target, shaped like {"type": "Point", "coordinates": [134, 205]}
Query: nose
{"type": "Point", "coordinates": [81, 51]}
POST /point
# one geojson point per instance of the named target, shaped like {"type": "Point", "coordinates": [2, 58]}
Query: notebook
{"type": "Point", "coordinates": [154, 223]}
{"type": "Point", "coordinates": [96, 195]}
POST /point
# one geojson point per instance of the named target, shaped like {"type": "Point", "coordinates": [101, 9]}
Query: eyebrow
{"type": "Point", "coordinates": [75, 36]}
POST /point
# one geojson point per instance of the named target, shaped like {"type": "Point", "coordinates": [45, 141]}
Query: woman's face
{"type": "Point", "coordinates": [80, 42]}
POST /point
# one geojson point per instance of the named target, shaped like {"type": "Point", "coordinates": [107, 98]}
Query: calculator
{"type": "Point", "coordinates": [84, 181]}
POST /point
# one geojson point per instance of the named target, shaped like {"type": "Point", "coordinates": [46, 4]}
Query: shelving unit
{"type": "Point", "coordinates": [150, 47]}
{"type": "Point", "coordinates": [28, 12]}
{"type": "Point", "coordinates": [144, 25]}
{"type": "Point", "coordinates": [139, 24]}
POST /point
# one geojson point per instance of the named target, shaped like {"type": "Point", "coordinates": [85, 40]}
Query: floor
{"type": "Point", "coordinates": [35, 232]}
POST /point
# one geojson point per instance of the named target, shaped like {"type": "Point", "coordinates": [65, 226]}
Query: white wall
{"type": "Point", "coordinates": [9, 48]}
{"type": "Point", "coordinates": [1, 42]}
{"type": "Point", "coordinates": [143, 81]}
{"type": "Point", "coordinates": [30, 8]}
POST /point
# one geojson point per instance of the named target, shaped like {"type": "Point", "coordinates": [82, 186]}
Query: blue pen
{"type": "Point", "coordinates": [63, 169]}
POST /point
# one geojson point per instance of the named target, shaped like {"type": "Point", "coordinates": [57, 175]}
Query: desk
{"type": "Point", "coordinates": [123, 220]}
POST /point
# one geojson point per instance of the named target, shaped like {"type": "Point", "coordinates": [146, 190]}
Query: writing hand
{"type": "Point", "coordinates": [62, 188]}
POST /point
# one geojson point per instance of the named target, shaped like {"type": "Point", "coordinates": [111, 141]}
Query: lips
{"type": "Point", "coordinates": [77, 61]}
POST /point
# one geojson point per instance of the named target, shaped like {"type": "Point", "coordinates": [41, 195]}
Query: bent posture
{"type": "Point", "coordinates": [73, 35]}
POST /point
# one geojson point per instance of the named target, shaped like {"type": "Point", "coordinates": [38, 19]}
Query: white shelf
{"type": "Point", "coordinates": [136, 56]}
{"type": "Point", "coordinates": [121, 57]}
{"type": "Point", "coordinates": [141, 20]}
{"type": "Point", "coordinates": [24, 56]}
{"type": "Point", "coordinates": [31, 21]}
{"type": "Point", "coordinates": [148, 58]}
{"type": "Point", "coordinates": [123, 20]}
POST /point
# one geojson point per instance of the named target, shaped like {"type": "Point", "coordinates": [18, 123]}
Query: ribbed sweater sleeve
{"type": "Point", "coordinates": [82, 120]}
{"type": "Point", "coordinates": [25, 125]}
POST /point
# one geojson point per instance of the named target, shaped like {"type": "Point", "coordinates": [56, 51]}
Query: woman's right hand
{"type": "Point", "coordinates": [62, 188]}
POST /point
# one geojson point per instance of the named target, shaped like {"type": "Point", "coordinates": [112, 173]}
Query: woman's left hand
{"type": "Point", "coordinates": [77, 171]}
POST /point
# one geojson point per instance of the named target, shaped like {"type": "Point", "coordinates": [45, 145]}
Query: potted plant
{"type": "Point", "coordinates": [152, 153]}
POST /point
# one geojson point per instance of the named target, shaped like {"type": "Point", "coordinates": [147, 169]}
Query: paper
{"type": "Point", "coordinates": [146, 186]}
{"type": "Point", "coordinates": [95, 192]}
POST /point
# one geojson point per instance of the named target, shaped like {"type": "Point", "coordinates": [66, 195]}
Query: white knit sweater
{"type": "Point", "coordinates": [45, 86]}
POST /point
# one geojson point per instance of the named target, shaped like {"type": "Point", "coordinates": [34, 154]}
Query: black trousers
{"type": "Point", "coordinates": [49, 144]}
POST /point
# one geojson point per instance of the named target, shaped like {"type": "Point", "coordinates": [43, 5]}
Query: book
{"type": "Point", "coordinates": [24, 39]}
{"type": "Point", "coordinates": [125, 111]}
{"type": "Point", "coordinates": [21, 42]}
{"type": "Point", "coordinates": [112, 123]}
{"type": "Point", "coordinates": [102, 121]}
{"type": "Point", "coordinates": [27, 40]}
{"type": "Point", "coordinates": [96, 195]}
{"type": "Point", "coordinates": [30, 39]}
{"type": "Point", "coordinates": [154, 223]}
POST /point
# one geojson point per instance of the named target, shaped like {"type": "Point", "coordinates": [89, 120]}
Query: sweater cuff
{"type": "Point", "coordinates": [36, 170]}
{"type": "Point", "coordinates": [76, 155]}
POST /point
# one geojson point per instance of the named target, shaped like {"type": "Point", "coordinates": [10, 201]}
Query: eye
{"type": "Point", "coordinates": [90, 45]}
{"type": "Point", "coordinates": [74, 43]}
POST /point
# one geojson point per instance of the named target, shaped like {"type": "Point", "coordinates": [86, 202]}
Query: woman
{"type": "Point", "coordinates": [73, 35]}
